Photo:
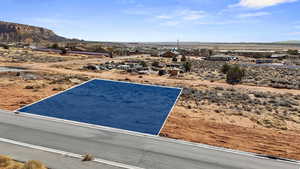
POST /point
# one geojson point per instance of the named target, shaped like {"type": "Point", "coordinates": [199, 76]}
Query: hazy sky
{"type": "Point", "coordinates": [161, 20]}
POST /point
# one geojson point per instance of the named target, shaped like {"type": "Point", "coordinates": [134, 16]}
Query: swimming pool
{"type": "Point", "coordinates": [122, 105]}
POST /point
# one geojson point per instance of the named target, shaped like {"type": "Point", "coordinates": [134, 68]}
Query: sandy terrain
{"type": "Point", "coordinates": [202, 125]}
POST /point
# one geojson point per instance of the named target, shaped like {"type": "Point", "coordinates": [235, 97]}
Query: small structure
{"type": "Point", "coordinates": [279, 56]}
{"type": "Point", "coordinates": [254, 53]}
{"type": "Point", "coordinates": [172, 66]}
{"type": "Point", "coordinates": [205, 52]}
{"type": "Point", "coordinates": [92, 67]}
{"type": "Point", "coordinates": [263, 61]}
{"type": "Point", "coordinates": [124, 67]}
{"type": "Point", "coordinates": [169, 54]}
{"type": "Point", "coordinates": [221, 58]}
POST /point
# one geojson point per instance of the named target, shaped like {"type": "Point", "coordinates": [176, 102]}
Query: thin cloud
{"type": "Point", "coordinates": [254, 14]}
{"type": "Point", "coordinates": [164, 17]}
{"type": "Point", "coordinates": [181, 16]}
{"type": "Point", "coordinates": [192, 14]}
{"type": "Point", "coordinates": [170, 23]}
{"type": "Point", "coordinates": [127, 1]}
{"type": "Point", "coordinates": [185, 14]}
{"type": "Point", "coordinates": [220, 22]}
{"type": "Point", "coordinates": [260, 3]}
{"type": "Point", "coordinates": [137, 12]}
{"type": "Point", "coordinates": [294, 33]}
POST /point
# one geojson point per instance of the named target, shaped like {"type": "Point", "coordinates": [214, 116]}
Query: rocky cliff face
{"type": "Point", "coordinates": [13, 32]}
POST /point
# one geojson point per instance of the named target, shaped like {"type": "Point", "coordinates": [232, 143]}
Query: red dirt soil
{"type": "Point", "coordinates": [182, 124]}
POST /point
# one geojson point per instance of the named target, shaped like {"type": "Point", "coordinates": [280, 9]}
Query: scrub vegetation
{"type": "Point", "coordinates": [8, 163]}
{"type": "Point", "coordinates": [263, 108]}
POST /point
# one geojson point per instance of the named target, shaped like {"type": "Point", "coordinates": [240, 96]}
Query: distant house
{"type": "Point", "coordinates": [205, 52]}
{"type": "Point", "coordinates": [169, 54]}
{"type": "Point", "coordinates": [253, 53]}
{"type": "Point", "coordinates": [32, 47]}
{"type": "Point", "coordinates": [263, 61]}
{"type": "Point", "coordinates": [90, 53]}
{"type": "Point", "coordinates": [124, 67]}
{"type": "Point", "coordinates": [178, 66]}
{"type": "Point", "coordinates": [279, 56]}
{"type": "Point", "coordinates": [221, 58]}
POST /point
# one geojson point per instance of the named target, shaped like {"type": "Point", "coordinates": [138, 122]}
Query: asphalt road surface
{"type": "Point", "coordinates": [131, 149]}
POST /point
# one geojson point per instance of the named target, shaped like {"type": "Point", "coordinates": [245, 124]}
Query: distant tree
{"type": "Point", "coordinates": [225, 68]}
{"type": "Point", "coordinates": [55, 46]}
{"type": "Point", "coordinates": [155, 64]}
{"type": "Point", "coordinates": [187, 66]}
{"type": "Point", "coordinates": [144, 64]}
{"type": "Point", "coordinates": [162, 72]}
{"type": "Point", "coordinates": [210, 52]}
{"type": "Point", "coordinates": [292, 52]}
{"type": "Point", "coordinates": [235, 74]}
{"type": "Point", "coordinates": [5, 46]}
{"type": "Point", "coordinates": [183, 58]}
{"type": "Point", "coordinates": [174, 59]}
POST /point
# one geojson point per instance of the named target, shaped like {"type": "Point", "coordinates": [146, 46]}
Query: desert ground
{"type": "Point", "coordinates": [253, 116]}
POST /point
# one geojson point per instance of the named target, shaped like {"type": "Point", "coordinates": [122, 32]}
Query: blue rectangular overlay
{"type": "Point", "coordinates": [122, 105]}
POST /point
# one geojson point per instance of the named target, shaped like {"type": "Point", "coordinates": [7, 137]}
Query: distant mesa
{"type": "Point", "coordinates": [13, 32]}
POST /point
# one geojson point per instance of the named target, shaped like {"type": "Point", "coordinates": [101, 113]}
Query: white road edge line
{"type": "Point", "coordinates": [64, 153]}
{"type": "Point", "coordinates": [122, 131]}
{"type": "Point", "coordinates": [155, 137]}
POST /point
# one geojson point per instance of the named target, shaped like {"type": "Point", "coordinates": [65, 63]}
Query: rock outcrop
{"type": "Point", "coordinates": [13, 32]}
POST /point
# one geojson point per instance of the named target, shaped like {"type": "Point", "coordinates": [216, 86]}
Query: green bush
{"type": "Point", "coordinates": [155, 64]}
{"type": "Point", "coordinates": [162, 72]}
{"type": "Point", "coordinates": [6, 47]}
{"type": "Point", "coordinates": [235, 74]}
{"type": "Point", "coordinates": [55, 46]}
{"type": "Point", "coordinates": [187, 66]}
{"type": "Point", "coordinates": [225, 68]}
{"type": "Point", "coordinates": [292, 52]}
{"type": "Point", "coordinates": [144, 64]}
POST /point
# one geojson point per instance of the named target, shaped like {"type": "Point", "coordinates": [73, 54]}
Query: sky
{"type": "Point", "coordinates": [161, 20]}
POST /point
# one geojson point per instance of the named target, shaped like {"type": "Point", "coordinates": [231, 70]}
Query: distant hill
{"type": "Point", "coordinates": [13, 32]}
{"type": "Point", "coordinates": [290, 42]}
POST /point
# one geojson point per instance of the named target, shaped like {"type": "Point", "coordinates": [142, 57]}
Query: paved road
{"type": "Point", "coordinates": [52, 160]}
{"type": "Point", "coordinates": [135, 150]}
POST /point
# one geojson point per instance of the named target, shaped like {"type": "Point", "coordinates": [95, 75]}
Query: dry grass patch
{"type": "Point", "coordinates": [32, 164]}
{"type": "Point", "coordinates": [8, 163]}
{"type": "Point", "coordinates": [88, 157]}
